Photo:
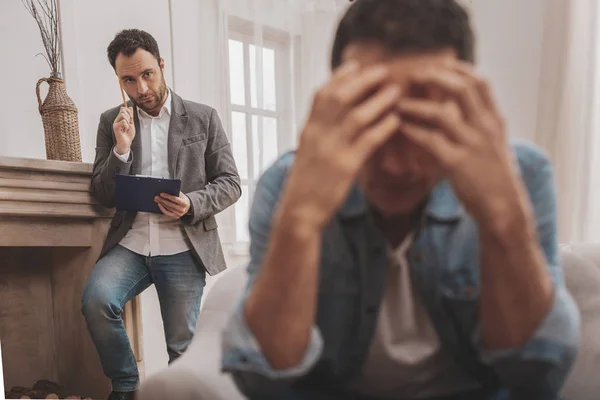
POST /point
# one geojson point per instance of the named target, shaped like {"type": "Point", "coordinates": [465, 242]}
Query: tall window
{"type": "Point", "coordinates": [260, 117]}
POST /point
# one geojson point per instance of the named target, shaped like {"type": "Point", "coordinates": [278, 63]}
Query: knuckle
{"type": "Point", "coordinates": [448, 116]}
{"type": "Point", "coordinates": [356, 118]}
{"type": "Point", "coordinates": [338, 98]}
{"type": "Point", "coordinates": [482, 83]}
{"type": "Point", "coordinates": [321, 95]}
{"type": "Point", "coordinates": [324, 94]}
{"type": "Point", "coordinates": [494, 122]}
{"type": "Point", "coordinates": [344, 163]}
{"type": "Point", "coordinates": [393, 121]}
{"type": "Point", "coordinates": [501, 121]}
{"type": "Point", "coordinates": [463, 89]}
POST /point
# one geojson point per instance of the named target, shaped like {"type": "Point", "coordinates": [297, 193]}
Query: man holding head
{"type": "Point", "coordinates": [161, 135]}
{"type": "Point", "coordinates": [408, 248]}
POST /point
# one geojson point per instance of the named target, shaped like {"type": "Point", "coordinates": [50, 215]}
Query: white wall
{"type": "Point", "coordinates": [21, 132]}
{"type": "Point", "coordinates": [509, 50]}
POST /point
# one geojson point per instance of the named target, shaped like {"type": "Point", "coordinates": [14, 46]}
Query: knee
{"type": "Point", "coordinates": [98, 302]}
{"type": "Point", "coordinates": [178, 342]}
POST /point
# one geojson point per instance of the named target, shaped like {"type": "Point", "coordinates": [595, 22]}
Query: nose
{"type": "Point", "coordinates": [395, 163]}
{"type": "Point", "coordinates": [142, 87]}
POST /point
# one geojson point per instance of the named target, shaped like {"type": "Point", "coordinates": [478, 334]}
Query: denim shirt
{"type": "Point", "coordinates": [445, 268]}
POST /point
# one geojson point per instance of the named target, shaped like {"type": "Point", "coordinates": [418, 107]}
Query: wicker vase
{"type": "Point", "coordinates": [61, 125]}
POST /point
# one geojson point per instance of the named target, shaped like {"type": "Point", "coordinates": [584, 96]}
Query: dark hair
{"type": "Point", "coordinates": [128, 41]}
{"type": "Point", "coordinates": [406, 26]}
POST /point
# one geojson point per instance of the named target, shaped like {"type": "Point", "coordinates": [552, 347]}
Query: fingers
{"type": "Point", "coordinates": [124, 122]}
{"type": "Point", "coordinates": [371, 110]}
{"type": "Point", "coordinates": [167, 212]}
{"type": "Point", "coordinates": [173, 199]}
{"type": "Point", "coordinates": [373, 138]}
{"type": "Point", "coordinates": [343, 72]}
{"type": "Point", "coordinates": [125, 114]}
{"type": "Point", "coordinates": [480, 84]}
{"type": "Point", "coordinates": [171, 206]}
{"type": "Point", "coordinates": [353, 91]}
{"type": "Point", "coordinates": [442, 116]}
{"type": "Point", "coordinates": [347, 88]}
{"type": "Point", "coordinates": [174, 204]}
{"type": "Point", "coordinates": [456, 86]}
{"type": "Point", "coordinates": [434, 142]}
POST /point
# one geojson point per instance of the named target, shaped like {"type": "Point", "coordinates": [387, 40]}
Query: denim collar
{"type": "Point", "coordinates": [442, 204]}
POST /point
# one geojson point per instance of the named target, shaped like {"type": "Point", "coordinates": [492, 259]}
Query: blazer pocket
{"type": "Point", "coordinates": [210, 224]}
{"type": "Point", "coordinates": [194, 139]}
{"type": "Point", "coordinates": [461, 284]}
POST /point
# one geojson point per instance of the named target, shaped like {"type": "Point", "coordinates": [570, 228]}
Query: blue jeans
{"type": "Point", "coordinates": [120, 276]}
{"type": "Point", "coordinates": [312, 395]}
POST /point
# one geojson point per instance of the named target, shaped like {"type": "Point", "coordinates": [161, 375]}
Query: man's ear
{"type": "Point", "coordinates": [162, 64]}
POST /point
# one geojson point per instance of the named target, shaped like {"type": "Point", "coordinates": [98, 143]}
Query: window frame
{"type": "Point", "coordinates": [281, 42]}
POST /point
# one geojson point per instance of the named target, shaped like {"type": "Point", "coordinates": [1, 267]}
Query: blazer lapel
{"type": "Point", "coordinates": [178, 124]}
{"type": "Point", "coordinates": [136, 146]}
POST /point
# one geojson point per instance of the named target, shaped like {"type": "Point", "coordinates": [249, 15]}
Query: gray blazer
{"type": "Point", "coordinates": [199, 155]}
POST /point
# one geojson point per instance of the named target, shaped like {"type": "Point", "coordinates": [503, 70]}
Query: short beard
{"type": "Point", "coordinates": [162, 90]}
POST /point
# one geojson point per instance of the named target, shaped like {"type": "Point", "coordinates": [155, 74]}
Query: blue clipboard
{"type": "Point", "coordinates": [136, 193]}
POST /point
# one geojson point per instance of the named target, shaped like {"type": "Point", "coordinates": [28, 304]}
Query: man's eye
{"type": "Point", "coordinates": [147, 74]}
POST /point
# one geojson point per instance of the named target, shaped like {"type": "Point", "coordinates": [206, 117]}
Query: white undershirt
{"type": "Point", "coordinates": [155, 234]}
{"type": "Point", "coordinates": [405, 359]}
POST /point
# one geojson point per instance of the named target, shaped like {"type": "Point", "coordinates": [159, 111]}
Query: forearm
{"type": "Point", "coordinates": [281, 308]}
{"type": "Point", "coordinates": [218, 195]}
{"type": "Point", "coordinates": [105, 166]}
{"type": "Point", "coordinates": [516, 288]}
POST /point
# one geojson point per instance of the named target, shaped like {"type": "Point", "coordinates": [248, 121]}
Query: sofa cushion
{"type": "Point", "coordinates": [196, 375]}
{"type": "Point", "coordinates": [581, 265]}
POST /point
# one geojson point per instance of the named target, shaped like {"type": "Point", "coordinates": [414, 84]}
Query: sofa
{"type": "Point", "coordinates": [196, 374]}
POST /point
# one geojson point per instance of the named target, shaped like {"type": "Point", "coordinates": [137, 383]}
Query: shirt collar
{"type": "Point", "coordinates": [442, 204]}
{"type": "Point", "coordinates": [166, 108]}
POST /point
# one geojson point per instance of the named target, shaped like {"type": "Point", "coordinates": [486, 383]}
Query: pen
{"type": "Point", "coordinates": [122, 92]}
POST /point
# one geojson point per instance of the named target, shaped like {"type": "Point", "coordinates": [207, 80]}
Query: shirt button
{"type": "Point", "coordinates": [419, 257]}
{"type": "Point", "coordinates": [469, 290]}
{"type": "Point", "coordinates": [371, 309]}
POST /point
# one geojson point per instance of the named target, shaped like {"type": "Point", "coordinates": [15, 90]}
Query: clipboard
{"type": "Point", "coordinates": [136, 193]}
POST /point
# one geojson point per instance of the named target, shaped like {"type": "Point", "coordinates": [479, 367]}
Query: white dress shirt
{"type": "Point", "coordinates": [155, 234]}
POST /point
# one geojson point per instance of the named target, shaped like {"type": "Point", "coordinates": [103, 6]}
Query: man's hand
{"type": "Point", "coordinates": [469, 140]}
{"type": "Point", "coordinates": [124, 130]}
{"type": "Point", "coordinates": [467, 136]}
{"type": "Point", "coordinates": [352, 115]}
{"type": "Point", "coordinates": [173, 206]}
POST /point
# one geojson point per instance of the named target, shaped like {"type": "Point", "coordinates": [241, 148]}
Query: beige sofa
{"type": "Point", "coordinates": [196, 375]}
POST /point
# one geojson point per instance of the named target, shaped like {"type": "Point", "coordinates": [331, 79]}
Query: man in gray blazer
{"type": "Point", "coordinates": [162, 135]}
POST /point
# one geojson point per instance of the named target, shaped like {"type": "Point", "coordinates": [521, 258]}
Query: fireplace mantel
{"type": "Point", "coordinates": [51, 233]}
{"type": "Point", "coordinates": [47, 203]}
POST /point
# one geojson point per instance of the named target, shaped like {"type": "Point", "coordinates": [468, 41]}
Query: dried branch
{"type": "Point", "coordinates": [45, 13]}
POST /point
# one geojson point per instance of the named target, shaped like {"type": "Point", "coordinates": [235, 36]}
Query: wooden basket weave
{"type": "Point", "coordinates": [61, 124]}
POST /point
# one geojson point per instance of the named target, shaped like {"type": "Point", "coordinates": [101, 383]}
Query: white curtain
{"type": "Point", "coordinates": [568, 113]}
{"type": "Point", "coordinates": [310, 25]}
{"type": "Point", "coordinates": [259, 64]}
